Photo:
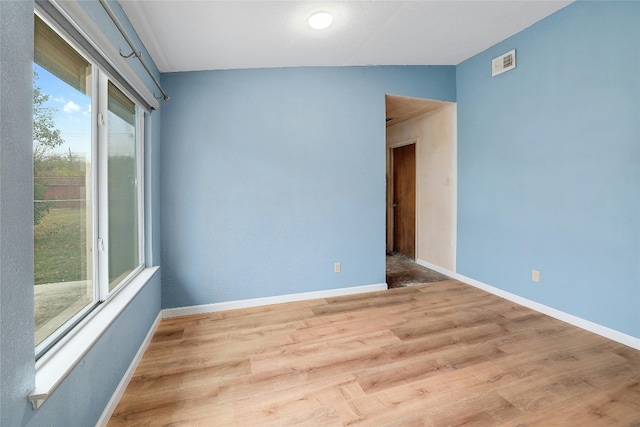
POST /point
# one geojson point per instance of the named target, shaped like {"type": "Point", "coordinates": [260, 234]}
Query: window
{"type": "Point", "coordinates": [87, 186]}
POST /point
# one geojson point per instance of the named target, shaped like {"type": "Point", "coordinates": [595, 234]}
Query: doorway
{"type": "Point", "coordinates": [421, 167]}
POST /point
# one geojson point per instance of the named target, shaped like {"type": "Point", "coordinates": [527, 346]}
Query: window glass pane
{"type": "Point", "coordinates": [123, 187]}
{"type": "Point", "coordinates": [63, 259]}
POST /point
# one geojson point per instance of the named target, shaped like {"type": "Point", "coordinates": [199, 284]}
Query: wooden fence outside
{"type": "Point", "coordinates": [66, 192]}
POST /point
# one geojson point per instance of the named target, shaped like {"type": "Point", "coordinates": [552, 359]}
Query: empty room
{"type": "Point", "coordinates": [202, 204]}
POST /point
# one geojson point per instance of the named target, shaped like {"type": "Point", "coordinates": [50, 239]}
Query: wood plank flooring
{"type": "Point", "coordinates": [441, 354]}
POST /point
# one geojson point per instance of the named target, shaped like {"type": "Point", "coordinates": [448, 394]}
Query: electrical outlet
{"type": "Point", "coordinates": [535, 275]}
{"type": "Point", "coordinates": [337, 267]}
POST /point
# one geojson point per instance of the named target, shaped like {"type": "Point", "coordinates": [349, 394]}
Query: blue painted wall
{"type": "Point", "coordinates": [549, 164]}
{"type": "Point", "coordinates": [16, 210]}
{"type": "Point", "coordinates": [270, 176]}
{"type": "Point", "coordinates": [82, 396]}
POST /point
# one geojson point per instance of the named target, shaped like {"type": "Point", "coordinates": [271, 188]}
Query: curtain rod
{"type": "Point", "coordinates": [134, 52]}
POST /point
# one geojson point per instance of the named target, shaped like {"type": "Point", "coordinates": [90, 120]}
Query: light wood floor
{"type": "Point", "coordinates": [442, 354]}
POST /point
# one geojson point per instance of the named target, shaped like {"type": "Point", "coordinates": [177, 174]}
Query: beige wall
{"type": "Point", "coordinates": [436, 171]}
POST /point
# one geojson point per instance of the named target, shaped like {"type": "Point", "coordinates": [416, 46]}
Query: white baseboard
{"type": "Point", "coordinates": [436, 268]}
{"type": "Point", "coordinates": [255, 302]}
{"type": "Point", "coordinates": [587, 325]}
{"type": "Point", "coordinates": [122, 386]}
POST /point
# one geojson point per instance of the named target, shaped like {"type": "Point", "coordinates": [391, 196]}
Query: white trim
{"type": "Point", "coordinates": [587, 325]}
{"type": "Point", "coordinates": [124, 382]}
{"type": "Point", "coordinates": [59, 361]}
{"type": "Point", "coordinates": [255, 302]}
{"type": "Point", "coordinates": [437, 268]}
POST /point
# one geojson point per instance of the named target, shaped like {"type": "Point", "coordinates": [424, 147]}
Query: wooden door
{"type": "Point", "coordinates": [404, 200]}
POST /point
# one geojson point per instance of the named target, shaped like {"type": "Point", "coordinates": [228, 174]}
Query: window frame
{"type": "Point", "coordinates": [103, 183]}
{"type": "Point", "coordinates": [76, 27]}
{"type": "Point", "coordinates": [100, 80]}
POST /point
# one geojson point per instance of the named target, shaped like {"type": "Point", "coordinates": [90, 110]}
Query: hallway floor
{"type": "Point", "coordinates": [403, 271]}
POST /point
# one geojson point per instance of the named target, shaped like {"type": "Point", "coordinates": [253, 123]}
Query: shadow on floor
{"type": "Point", "coordinates": [403, 271]}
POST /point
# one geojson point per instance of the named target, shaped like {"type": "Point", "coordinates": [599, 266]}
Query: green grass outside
{"type": "Point", "coordinates": [60, 246]}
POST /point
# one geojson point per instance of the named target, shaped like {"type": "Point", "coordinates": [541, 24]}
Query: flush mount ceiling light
{"type": "Point", "coordinates": [320, 20]}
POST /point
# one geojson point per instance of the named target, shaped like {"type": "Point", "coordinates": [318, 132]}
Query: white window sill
{"type": "Point", "coordinates": [60, 360]}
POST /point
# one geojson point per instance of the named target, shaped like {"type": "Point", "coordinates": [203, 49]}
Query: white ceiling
{"type": "Point", "coordinates": [402, 108]}
{"type": "Point", "coordinates": [183, 35]}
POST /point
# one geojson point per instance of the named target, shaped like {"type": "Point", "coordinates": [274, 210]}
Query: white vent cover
{"type": "Point", "coordinates": [503, 63]}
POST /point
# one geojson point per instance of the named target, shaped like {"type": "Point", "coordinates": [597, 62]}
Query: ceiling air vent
{"type": "Point", "coordinates": [503, 63]}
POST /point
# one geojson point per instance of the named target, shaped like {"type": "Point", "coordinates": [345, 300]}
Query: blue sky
{"type": "Point", "coordinates": [72, 112]}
